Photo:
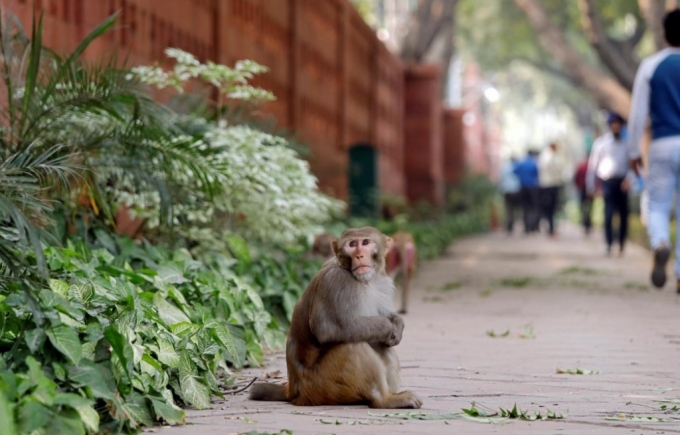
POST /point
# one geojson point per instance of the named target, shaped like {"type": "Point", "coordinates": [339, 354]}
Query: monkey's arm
{"type": "Point", "coordinates": [329, 327]}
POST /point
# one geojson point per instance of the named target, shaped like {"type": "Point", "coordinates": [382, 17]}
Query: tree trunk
{"type": "Point", "coordinates": [620, 62]}
{"type": "Point", "coordinates": [653, 12]}
{"type": "Point", "coordinates": [607, 92]}
{"type": "Point", "coordinates": [430, 35]}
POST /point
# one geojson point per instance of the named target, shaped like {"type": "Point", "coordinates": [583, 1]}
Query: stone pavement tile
{"type": "Point", "coordinates": [566, 306]}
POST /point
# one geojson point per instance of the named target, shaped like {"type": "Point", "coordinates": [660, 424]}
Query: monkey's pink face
{"type": "Point", "coordinates": [361, 251]}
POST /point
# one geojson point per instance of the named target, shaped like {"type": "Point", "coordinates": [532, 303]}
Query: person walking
{"type": "Point", "coordinates": [510, 188]}
{"type": "Point", "coordinates": [527, 172]}
{"type": "Point", "coordinates": [609, 163]}
{"type": "Point", "coordinates": [585, 200]}
{"type": "Point", "coordinates": [656, 94]}
{"type": "Point", "coordinates": [551, 177]}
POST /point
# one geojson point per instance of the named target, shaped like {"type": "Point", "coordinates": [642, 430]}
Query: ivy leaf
{"type": "Point", "coordinates": [35, 338]}
{"type": "Point", "coordinates": [239, 249]}
{"type": "Point", "coordinates": [32, 416]}
{"type": "Point", "coordinates": [169, 413]}
{"type": "Point", "coordinates": [171, 274]}
{"type": "Point", "coordinates": [167, 354]}
{"type": "Point", "coordinates": [95, 377]}
{"type": "Point", "coordinates": [168, 312]}
{"type": "Point", "coordinates": [83, 406]}
{"type": "Point", "coordinates": [66, 422]}
{"type": "Point", "coordinates": [121, 347]}
{"type": "Point", "coordinates": [194, 392]}
{"type": "Point", "coordinates": [7, 425]}
{"type": "Point", "coordinates": [67, 342]}
{"type": "Point", "coordinates": [224, 337]}
{"type": "Point", "coordinates": [137, 408]}
{"type": "Point", "coordinates": [59, 287]}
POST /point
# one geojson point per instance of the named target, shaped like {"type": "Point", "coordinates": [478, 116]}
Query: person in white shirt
{"type": "Point", "coordinates": [609, 163]}
{"type": "Point", "coordinates": [656, 95]}
{"type": "Point", "coordinates": [550, 179]}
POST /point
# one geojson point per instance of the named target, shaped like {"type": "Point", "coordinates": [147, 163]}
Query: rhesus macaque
{"type": "Point", "coordinates": [340, 347]}
{"type": "Point", "coordinates": [321, 248]}
{"type": "Point", "coordinates": [401, 264]}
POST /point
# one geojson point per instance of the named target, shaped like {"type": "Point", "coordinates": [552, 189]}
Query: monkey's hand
{"type": "Point", "coordinates": [397, 330]}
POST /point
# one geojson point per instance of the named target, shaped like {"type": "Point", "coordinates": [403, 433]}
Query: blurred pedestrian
{"type": "Point", "coordinates": [609, 163]}
{"type": "Point", "coordinates": [656, 94]}
{"type": "Point", "coordinates": [551, 178]}
{"type": "Point", "coordinates": [585, 200]}
{"type": "Point", "coordinates": [527, 172]}
{"type": "Point", "coordinates": [510, 188]}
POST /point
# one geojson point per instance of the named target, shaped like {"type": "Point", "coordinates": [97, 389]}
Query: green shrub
{"type": "Point", "coordinates": [128, 338]}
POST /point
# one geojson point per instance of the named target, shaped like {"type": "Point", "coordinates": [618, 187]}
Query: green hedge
{"type": "Point", "coordinates": [122, 337]}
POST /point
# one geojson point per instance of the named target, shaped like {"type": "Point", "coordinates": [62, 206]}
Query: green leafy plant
{"type": "Point", "coordinates": [493, 334]}
{"type": "Point", "coordinates": [134, 332]}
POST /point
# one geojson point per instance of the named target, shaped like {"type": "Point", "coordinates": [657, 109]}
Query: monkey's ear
{"type": "Point", "coordinates": [388, 244]}
{"type": "Point", "coordinates": [334, 245]}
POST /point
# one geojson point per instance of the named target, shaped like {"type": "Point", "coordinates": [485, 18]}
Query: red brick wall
{"type": "Point", "coordinates": [336, 83]}
{"type": "Point", "coordinates": [422, 134]}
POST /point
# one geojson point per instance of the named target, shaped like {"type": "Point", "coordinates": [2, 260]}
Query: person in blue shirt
{"type": "Point", "coordinates": [527, 172]}
{"type": "Point", "coordinates": [510, 188]}
{"type": "Point", "coordinates": [656, 94]}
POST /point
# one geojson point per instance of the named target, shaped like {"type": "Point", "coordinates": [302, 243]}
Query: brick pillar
{"type": "Point", "coordinates": [423, 152]}
{"type": "Point", "coordinates": [453, 139]}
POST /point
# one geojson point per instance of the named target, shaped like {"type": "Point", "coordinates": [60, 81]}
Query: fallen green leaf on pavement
{"type": "Point", "coordinates": [641, 419]}
{"type": "Point", "coordinates": [513, 413]}
{"type": "Point", "coordinates": [579, 270]}
{"type": "Point", "coordinates": [353, 422]}
{"type": "Point", "coordinates": [517, 281]}
{"type": "Point", "coordinates": [576, 371]}
{"type": "Point", "coordinates": [256, 432]}
{"type": "Point", "coordinates": [528, 333]}
{"type": "Point", "coordinates": [493, 334]}
{"type": "Point", "coordinates": [416, 415]}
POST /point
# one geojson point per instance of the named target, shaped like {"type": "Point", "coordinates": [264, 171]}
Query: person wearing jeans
{"type": "Point", "coordinates": [551, 177]}
{"type": "Point", "coordinates": [510, 188]}
{"type": "Point", "coordinates": [609, 162]}
{"type": "Point", "coordinates": [527, 173]}
{"type": "Point", "coordinates": [656, 94]}
{"type": "Point", "coordinates": [585, 200]}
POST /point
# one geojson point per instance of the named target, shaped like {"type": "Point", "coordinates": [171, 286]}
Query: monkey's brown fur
{"type": "Point", "coordinates": [340, 344]}
{"type": "Point", "coordinates": [401, 264]}
{"type": "Point", "coordinates": [321, 248]}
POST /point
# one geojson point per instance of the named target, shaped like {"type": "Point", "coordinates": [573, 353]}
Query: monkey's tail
{"type": "Point", "coordinates": [269, 392]}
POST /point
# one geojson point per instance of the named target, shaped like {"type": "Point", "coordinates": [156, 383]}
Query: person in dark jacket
{"type": "Point", "coordinates": [527, 172]}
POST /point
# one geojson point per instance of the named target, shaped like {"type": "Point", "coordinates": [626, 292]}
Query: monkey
{"type": "Point", "coordinates": [340, 346]}
{"type": "Point", "coordinates": [321, 248]}
{"type": "Point", "coordinates": [401, 264]}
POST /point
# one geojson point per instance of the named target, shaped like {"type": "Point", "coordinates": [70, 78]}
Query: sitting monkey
{"type": "Point", "coordinates": [340, 344]}
{"type": "Point", "coordinates": [400, 263]}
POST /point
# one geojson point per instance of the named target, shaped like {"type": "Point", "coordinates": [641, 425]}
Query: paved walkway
{"type": "Point", "coordinates": [566, 306]}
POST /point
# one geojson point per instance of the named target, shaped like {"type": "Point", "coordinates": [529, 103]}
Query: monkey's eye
{"type": "Point", "coordinates": [365, 242]}
{"type": "Point", "coordinates": [353, 244]}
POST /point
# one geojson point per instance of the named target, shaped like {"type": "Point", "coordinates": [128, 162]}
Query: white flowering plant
{"type": "Point", "coordinates": [260, 187]}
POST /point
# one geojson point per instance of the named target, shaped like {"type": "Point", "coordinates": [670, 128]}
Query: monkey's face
{"type": "Point", "coordinates": [362, 252]}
